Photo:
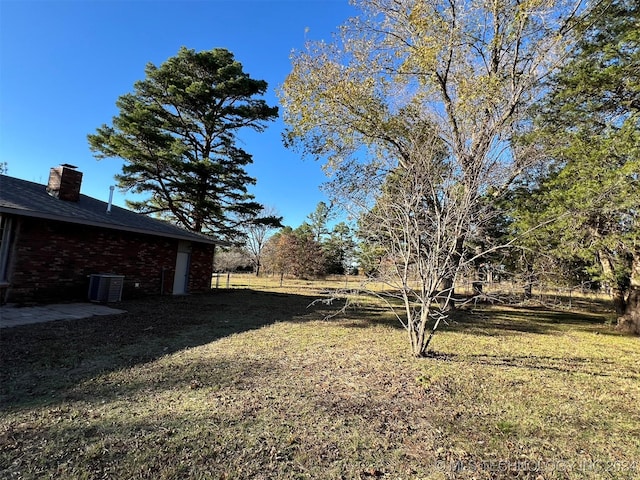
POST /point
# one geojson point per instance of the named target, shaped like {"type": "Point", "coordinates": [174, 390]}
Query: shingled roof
{"type": "Point", "coordinates": [29, 199]}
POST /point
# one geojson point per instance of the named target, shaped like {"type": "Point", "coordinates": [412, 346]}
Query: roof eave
{"type": "Point", "coordinates": [110, 226]}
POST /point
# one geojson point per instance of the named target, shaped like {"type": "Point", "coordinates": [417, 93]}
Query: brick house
{"type": "Point", "coordinates": [52, 239]}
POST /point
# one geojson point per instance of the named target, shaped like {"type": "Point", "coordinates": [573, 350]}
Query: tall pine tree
{"type": "Point", "coordinates": [177, 133]}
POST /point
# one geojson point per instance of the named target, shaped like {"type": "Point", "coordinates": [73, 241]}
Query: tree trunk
{"type": "Point", "coordinates": [447, 287]}
{"type": "Point", "coordinates": [608, 273]}
{"type": "Point", "coordinates": [529, 278]}
{"type": "Point", "coordinates": [477, 286]}
{"type": "Point", "coordinates": [417, 328]}
{"type": "Point", "coordinates": [630, 320]}
{"type": "Point", "coordinates": [479, 276]}
{"type": "Point", "coordinates": [417, 341]}
{"type": "Point", "coordinates": [448, 282]}
{"type": "Point", "coordinates": [619, 302]}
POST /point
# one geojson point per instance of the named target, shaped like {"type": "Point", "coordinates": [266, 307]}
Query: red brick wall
{"type": "Point", "coordinates": [51, 261]}
{"type": "Point", "coordinates": [201, 267]}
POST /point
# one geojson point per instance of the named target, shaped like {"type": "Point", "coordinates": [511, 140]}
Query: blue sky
{"type": "Point", "coordinates": [63, 64]}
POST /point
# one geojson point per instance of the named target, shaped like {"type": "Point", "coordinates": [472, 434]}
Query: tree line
{"type": "Point", "coordinates": [311, 250]}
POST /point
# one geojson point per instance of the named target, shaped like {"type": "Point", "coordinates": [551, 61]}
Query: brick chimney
{"type": "Point", "coordinates": [64, 183]}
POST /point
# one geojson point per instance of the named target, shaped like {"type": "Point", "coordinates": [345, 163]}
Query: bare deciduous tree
{"type": "Point", "coordinates": [421, 213]}
{"type": "Point", "coordinates": [256, 236]}
{"type": "Point", "coordinates": [231, 259]}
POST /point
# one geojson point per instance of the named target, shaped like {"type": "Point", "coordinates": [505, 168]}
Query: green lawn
{"type": "Point", "coordinates": [246, 384]}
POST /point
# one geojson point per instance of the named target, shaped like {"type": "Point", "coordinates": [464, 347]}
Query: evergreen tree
{"type": "Point", "coordinates": [339, 249]}
{"type": "Point", "coordinates": [177, 133]}
{"type": "Point", "coordinates": [590, 125]}
{"type": "Point", "coordinates": [319, 219]}
{"type": "Point", "coordinates": [307, 258]}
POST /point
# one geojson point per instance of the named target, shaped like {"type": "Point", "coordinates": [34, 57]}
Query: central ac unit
{"type": "Point", "coordinates": [105, 288]}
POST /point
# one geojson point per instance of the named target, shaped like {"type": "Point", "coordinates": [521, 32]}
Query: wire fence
{"type": "Point", "coordinates": [505, 292]}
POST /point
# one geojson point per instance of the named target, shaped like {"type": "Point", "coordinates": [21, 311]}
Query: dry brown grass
{"type": "Point", "coordinates": [253, 384]}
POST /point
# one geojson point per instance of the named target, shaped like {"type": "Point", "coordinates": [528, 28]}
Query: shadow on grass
{"type": "Point", "coordinates": [495, 321]}
{"type": "Point", "coordinates": [40, 362]}
{"type": "Point", "coordinates": [561, 364]}
{"type": "Point", "coordinates": [490, 320]}
{"type": "Point", "coordinates": [368, 316]}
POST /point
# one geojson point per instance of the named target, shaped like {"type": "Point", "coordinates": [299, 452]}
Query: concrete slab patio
{"type": "Point", "coordinates": [11, 316]}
